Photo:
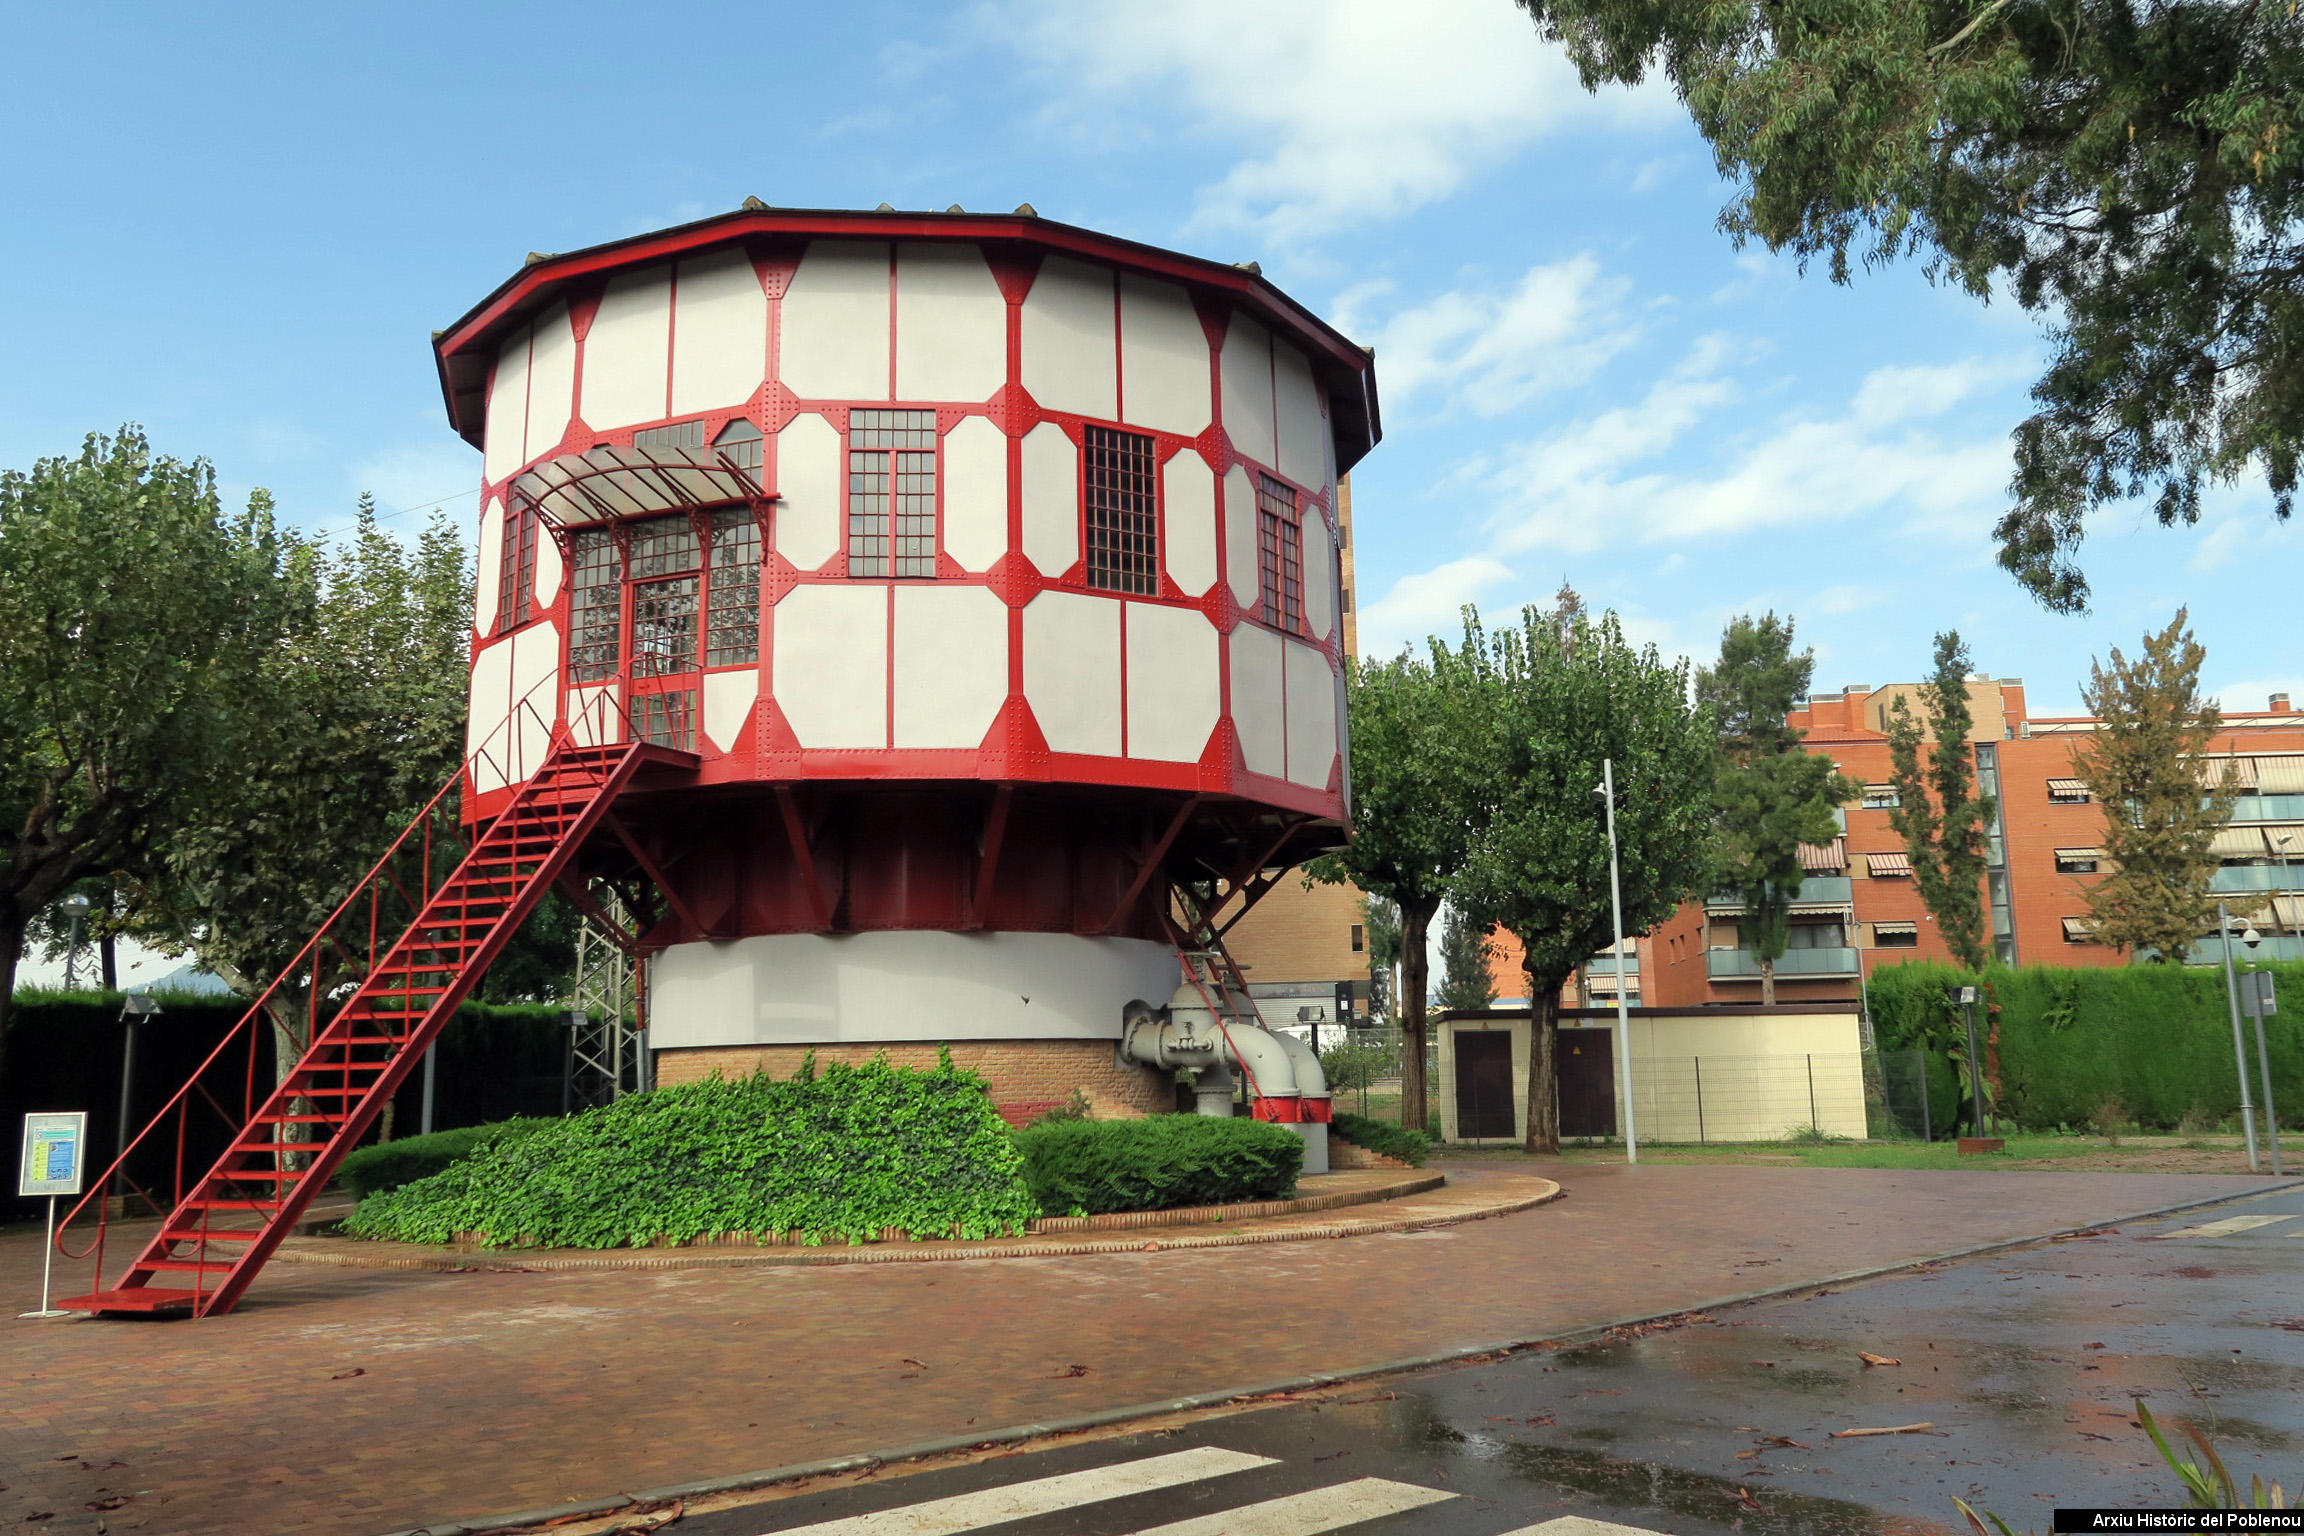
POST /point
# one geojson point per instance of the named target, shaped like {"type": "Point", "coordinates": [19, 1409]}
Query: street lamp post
{"type": "Point", "coordinates": [2239, 1046]}
{"type": "Point", "coordinates": [76, 907]}
{"type": "Point", "coordinates": [1607, 791]}
{"type": "Point", "coordinates": [1978, 1120]}
{"type": "Point", "coordinates": [134, 1010]}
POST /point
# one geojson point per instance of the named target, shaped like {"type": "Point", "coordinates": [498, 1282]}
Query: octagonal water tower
{"type": "Point", "coordinates": [987, 565]}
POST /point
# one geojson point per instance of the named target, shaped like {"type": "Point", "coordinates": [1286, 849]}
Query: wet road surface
{"type": "Point", "coordinates": [2023, 1363]}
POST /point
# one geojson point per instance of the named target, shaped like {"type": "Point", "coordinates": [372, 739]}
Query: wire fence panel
{"type": "Point", "coordinates": [1750, 1098]}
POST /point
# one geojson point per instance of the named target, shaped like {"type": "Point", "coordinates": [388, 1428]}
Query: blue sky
{"type": "Point", "coordinates": [239, 225]}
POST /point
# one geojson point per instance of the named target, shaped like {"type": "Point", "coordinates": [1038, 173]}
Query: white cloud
{"type": "Point", "coordinates": [1348, 110]}
{"type": "Point", "coordinates": [1427, 603]}
{"type": "Point", "coordinates": [2254, 696]}
{"type": "Point", "coordinates": [1895, 394]}
{"type": "Point", "coordinates": [1489, 350]}
{"type": "Point", "coordinates": [415, 476]}
{"type": "Point", "coordinates": [1848, 598]}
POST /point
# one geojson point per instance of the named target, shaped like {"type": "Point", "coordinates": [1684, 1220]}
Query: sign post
{"type": "Point", "coordinates": [53, 1164]}
{"type": "Point", "coordinates": [2257, 1000]}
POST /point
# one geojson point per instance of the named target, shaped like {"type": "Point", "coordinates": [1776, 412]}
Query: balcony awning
{"type": "Point", "coordinates": [2079, 930]}
{"type": "Point", "coordinates": [1889, 865]}
{"type": "Point", "coordinates": [579, 488]}
{"type": "Point", "coordinates": [2068, 787]}
{"type": "Point", "coordinates": [1824, 858]}
{"type": "Point", "coordinates": [2253, 842]}
{"type": "Point", "coordinates": [1879, 929]}
{"type": "Point", "coordinates": [2241, 771]}
{"type": "Point", "coordinates": [2279, 775]}
{"type": "Point", "coordinates": [2074, 854]}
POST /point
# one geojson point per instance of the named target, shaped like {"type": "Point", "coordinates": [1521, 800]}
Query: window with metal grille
{"type": "Point", "coordinates": [681, 434]}
{"type": "Point", "coordinates": [740, 444]}
{"type": "Point", "coordinates": [667, 719]}
{"type": "Point", "coordinates": [732, 616]}
{"type": "Point", "coordinates": [516, 571]}
{"type": "Point", "coordinates": [892, 493]}
{"type": "Point", "coordinates": [595, 607]}
{"type": "Point", "coordinates": [1279, 555]}
{"type": "Point", "coordinates": [1123, 522]}
{"type": "Point", "coordinates": [664, 602]}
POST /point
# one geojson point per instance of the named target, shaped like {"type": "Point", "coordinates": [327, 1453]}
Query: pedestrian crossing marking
{"type": "Point", "coordinates": [2227, 1227]}
{"type": "Point", "coordinates": [1579, 1525]}
{"type": "Point", "coordinates": [1306, 1514]}
{"type": "Point", "coordinates": [1044, 1495]}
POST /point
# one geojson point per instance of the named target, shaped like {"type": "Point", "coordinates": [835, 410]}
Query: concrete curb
{"type": "Point", "coordinates": [706, 1257]}
{"type": "Point", "coordinates": [1101, 1418]}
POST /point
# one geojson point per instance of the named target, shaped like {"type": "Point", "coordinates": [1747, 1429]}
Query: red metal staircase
{"type": "Point", "coordinates": [228, 1221]}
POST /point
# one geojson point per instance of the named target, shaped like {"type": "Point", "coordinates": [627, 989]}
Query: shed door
{"type": "Point", "coordinates": [1484, 1084]}
{"type": "Point", "coordinates": [1586, 1068]}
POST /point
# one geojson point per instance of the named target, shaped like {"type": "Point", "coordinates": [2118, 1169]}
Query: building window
{"type": "Point", "coordinates": [1880, 797]}
{"type": "Point", "coordinates": [2067, 792]}
{"type": "Point", "coordinates": [2077, 861]}
{"type": "Point", "coordinates": [1895, 935]}
{"type": "Point", "coordinates": [596, 607]}
{"type": "Point", "coordinates": [892, 493]}
{"type": "Point", "coordinates": [2080, 930]}
{"type": "Point", "coordinates": [1279, 555]}
{"type": "Point", "coordinates": [1123, 524]}
{"type": "Point", "coordinates": [666, 587]}
{"type": "Point", "coordinates": [681, 434]}
{"type": "Point", "coordinates": [1359, 938]}
{"type": "Point", "coordinates": [740, 444]}
{"type": "Point", "coordinates": [667, 719]}
{"type": "Point", "coordinates": [516, 572]}
{"type": "Point", "coordinates": [732, 619]}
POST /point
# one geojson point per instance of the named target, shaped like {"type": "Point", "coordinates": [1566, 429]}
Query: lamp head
{"type": "Point", "coordinates": [77, 906]}
{"type": "Point", "coordinates": [139, 1005]}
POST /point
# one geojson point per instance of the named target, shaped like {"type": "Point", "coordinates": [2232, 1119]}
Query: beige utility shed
{"type": "Point", "coordinates": [1698, 1074]}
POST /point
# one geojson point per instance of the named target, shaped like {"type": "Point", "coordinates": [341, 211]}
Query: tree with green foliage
{"type": "Point", "coordinates": [1553, 697]}
{"type": "Point", "coordinates": [353, 721]}
{"type": "Point", "coordinates": [1464, 956]}
{"type": "Point", "coordinates": [134, 615]}
{"type": "Point", "coordinates": [2144, 767]}
{"type": "Point", "coordinates": [2132, 174]}
{"type": "Point", "coordinates": [1939, 814]}
{"type": "Point", "coordinates": [1768, 796]}
{"type": "Point", "coordinates": [1411, 828]}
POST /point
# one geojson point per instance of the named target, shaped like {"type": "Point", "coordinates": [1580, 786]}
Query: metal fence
{"type": "Point", "coordinates": [1798, 1097]}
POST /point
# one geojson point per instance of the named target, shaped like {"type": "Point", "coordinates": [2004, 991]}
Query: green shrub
{"type": "Point", "coordinates": [1085, 1167]}
{"type": "Point", "coordinates": [390, 1164]}
{"type": "Point", "coordinates": [848, 1154]}
{"type": "Point", "coordinates": [1381, 1137]}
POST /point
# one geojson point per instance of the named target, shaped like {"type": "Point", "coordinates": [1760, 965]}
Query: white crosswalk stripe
{"type": "Point", "coordinates": [2226, 1228]}
{"type": "Point", "coordinates": [1579, 1525]}
{"type": "Point", "coordinates": [1305, 1514]}
{"type": "Point", "coordinates": [1044, 1495]}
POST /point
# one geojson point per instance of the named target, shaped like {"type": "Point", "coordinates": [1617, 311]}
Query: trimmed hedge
{"type": "Point", "coordinates": [2156, 1037]}
{"type": "Point", "coordinates": [390, 1164]}
{"type": "Point", "coordinates": [1088, 1167]}
{"type": "Point", "coordinates": [849, 1154]}
{"type": "Point", "coordinates": [1382, 1137]}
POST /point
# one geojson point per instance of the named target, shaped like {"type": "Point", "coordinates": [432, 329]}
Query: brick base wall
{"type": "Point", "coordinates": [1027, 1077]}
{"type": "Point", "coordinates": [1344, 1154]}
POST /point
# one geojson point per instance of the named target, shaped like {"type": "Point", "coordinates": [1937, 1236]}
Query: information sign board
{"type": "Point", "coordinates": [54, 1145]}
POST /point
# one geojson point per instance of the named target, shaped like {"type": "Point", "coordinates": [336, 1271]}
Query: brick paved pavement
{"type": "Point", "coordinates": [488, 1392]}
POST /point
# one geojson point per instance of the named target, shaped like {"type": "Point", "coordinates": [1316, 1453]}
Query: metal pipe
{"type": "Point", "coordinates": [1623, 1019]}
{"type": "Point", "coordinates": [2239, 1047]}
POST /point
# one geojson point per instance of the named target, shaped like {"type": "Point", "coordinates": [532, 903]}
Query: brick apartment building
{"type": "Point", "coordinates": [1858, 906]}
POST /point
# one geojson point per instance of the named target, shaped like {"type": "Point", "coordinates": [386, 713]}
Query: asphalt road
{"type": "Point", "coordinates": [2023, 1364]}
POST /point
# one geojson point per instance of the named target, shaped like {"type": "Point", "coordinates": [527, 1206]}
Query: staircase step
{"type": "Point", "coordinates": [143, 1298]}
{"type": "Point", "coordinates": [212, 1235]}
{"type": "Point", "coordinates": [258, 1175]}
{"type": "Point", "coordinates": [188, 1266]}
{"type": "Point", "coordinates": [231, 1205]}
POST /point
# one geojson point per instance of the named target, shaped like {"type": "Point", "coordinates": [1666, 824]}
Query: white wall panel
{"type": "Point", "coordinates": [627, 353]}
{"type": "Point", "coordinates": [835, 333]}
{"type": "Point", "coordinates": [1248, 389]}
{"type": "Point", "coordinates": [490, 575]}
{"type": "Point", "coordinates": [831, 667]}
{"type": "Point", "coordinates": [1258, 713]}
{"type": "Point", "coordinates": [1240, 535]}
{"type": "Point", "coordinates": [951, 325]}
{"type": "Point", "coordinates": [728, 700]}
{"type": "Point", "coordinates": [1067, 336]}
{"type": "Point", "coordinates": [1072, 670]}
{"type": "Point", "coordinates": [551, 382]}
{"type": "Point", "coordinates": [1164, 373]}
{"type": "Point", "coordinates": [505, 439]}
{"type": "Point", "coordinates": [548, 567]}
{"type": "Point", "coordinates": [486, 746]}
{"type": "Point", "coordinates": [590, 713]}
{"type": "Point", "coordinates": [1301, 425]}
{"type": "Point", "coordinates": [1188, 498]}
{"type": "Point", "coordinates": [1311, 714]}
{"type": "Point", "coordinates": [951, 664]}
{"type": "Point", "coordinates": [808, 483]}
{"type": "Point", "coordinates": [1319, 557]}
{"type": "Point", "coordinates": [719, 333]}
{"type": "Point", "coordinates": [813, 988]}
{"type": "Point", "coordinates": [1174, 689]}
{"type": "Point", "coordinates": [976, 493]}
{"type": "Point", "coordinates": [535, 695]}
{"type": "Point", "coordinates": [1051, 499]}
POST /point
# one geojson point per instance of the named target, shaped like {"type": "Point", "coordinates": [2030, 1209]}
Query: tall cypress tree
{"type": "Point", "coordinates": [1939, 814]}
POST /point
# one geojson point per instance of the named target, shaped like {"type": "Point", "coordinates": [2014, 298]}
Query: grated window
{"type": "Point", "coordinates": [740, 444]}
{"type": "Point", "coordinates": [667, 719]}
{"type": "Point", "coordinates": [664, 626]}
{"type": "Point", "coordinates": [732, 621]}
{"type": "Point", "coordinates": [892, 493]}
{"type": "Point", "coordinates": [1279, 555]}
{"type": "Point", "coordinates": [596, 607]}
{"type": "Point", "coordinates": [663, 545]}
{"type": "Point", "coordinates": [1123, 523]}
{"type": "Point", "coordinates": [516, 572]}
{"type": "Point", "coordinates": [681, 434]}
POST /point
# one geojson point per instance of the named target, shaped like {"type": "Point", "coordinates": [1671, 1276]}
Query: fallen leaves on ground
{"type": "Point", "coordinates": [1871, 1359]}
{"type": "Point", "coordinates": [358, 1370]}
{"type": "Point", "coordinates": [1749, 1504]}
{"type": "Point", "coordinates": [1773, 1443]}
{"type": "Point", "coordinates": [1074, 1369]}
{"type": "Point", "coordinates": [1921, 1428]}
